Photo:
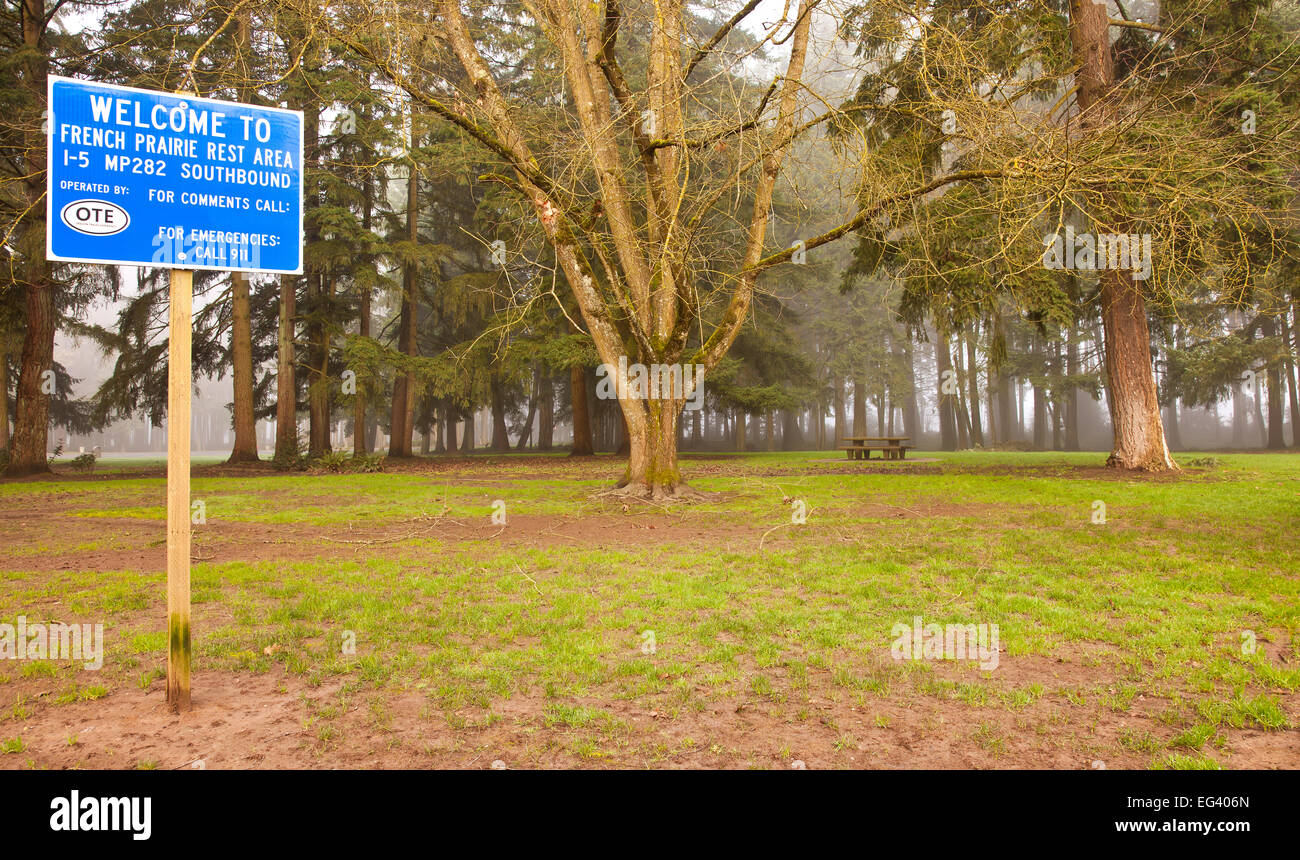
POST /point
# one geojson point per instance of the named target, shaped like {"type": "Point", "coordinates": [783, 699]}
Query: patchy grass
{"type": "Point", "coordinates": [1159, 638]}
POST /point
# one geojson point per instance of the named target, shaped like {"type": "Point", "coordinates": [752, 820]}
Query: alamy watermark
{"type": "Point", "coordinates": [657, 382]}
{"type": "Point", "coordinates": [946, 642]}
{"type": "Point", "coordinates": [53, 641]}
{"type": "Point", "coordinates": [1086, 252]}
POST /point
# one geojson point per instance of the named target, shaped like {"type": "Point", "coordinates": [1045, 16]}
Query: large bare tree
{"type": "Point", "coordinates": [654, 184]}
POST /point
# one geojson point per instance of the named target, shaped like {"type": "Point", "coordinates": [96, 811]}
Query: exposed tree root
{"type": "Point", "coordinates": [1151, 466]}
{"type": "Point", "coordinates": [656, 493]}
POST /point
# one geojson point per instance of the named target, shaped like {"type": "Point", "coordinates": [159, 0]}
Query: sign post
{"type": "Point", "coordinates": [171, 180]}
{"type": "Point", "coordinates": [178, 489]}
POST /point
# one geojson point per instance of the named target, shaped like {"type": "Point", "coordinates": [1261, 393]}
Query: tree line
{"type": "Point", "coordinates": [501, 197]}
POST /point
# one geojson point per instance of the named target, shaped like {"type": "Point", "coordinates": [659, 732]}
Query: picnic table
{"type": "Point", "coordinates": [890, 447]}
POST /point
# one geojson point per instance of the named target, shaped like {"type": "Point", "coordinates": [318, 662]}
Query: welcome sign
{"type": "Point", "coordinates": [146, 178]}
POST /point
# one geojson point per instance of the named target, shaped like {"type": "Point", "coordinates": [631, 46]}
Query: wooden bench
{"type": "Point", "coordinates": [890, 447]}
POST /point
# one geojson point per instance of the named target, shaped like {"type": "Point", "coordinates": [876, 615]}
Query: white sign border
{"type": "Point", "coordinates": [50, 125]}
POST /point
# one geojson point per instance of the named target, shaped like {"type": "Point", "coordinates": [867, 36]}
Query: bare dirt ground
{"type": "Point", "coordinates": [257, 721]}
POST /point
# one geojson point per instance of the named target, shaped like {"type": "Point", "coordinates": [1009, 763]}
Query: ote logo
{"type": "Point", "coordinates": [95, 217]}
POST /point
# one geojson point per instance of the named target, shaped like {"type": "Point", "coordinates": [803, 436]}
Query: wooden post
{"type": "Point", "coordinates": [179, 385]}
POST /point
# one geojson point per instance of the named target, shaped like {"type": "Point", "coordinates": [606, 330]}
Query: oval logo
{"type": "Point", "coordinates": [95, 217]}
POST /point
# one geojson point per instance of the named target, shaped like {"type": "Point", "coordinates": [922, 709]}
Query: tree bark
{"type": "Point", "coordinates": [791, 435]}
{"type": "Point", "coordinates": [1139, 438]}
{"type": "Point", "coordinates": [841, 420]}
{"type": "Point", "coordinates": [1273, 373]}
{"type": "Point", "coordinates": [27, 448]}
{"type": "Point", "coordinates": [241, 329]}
{"type": "Point", "coordinates": [1071, 391]}
{"type": "Point", "coordinates": [241, 354]}
{"type": "Point", "coordinates": [546, 419]}
{"type": "Point", "coordinates": [404, 386]}
{"type": "Point", "coordinates": [500, 435]}
{"type": "Point", "coordinates": [973, 384]}
{"type": "Point", "coordinates": [4, 393]}
{"type": "Point", "coordinates": [947, 404]}
{"type": "Point", "coordinates": [859, 408]}
{"type": "Point", "coordinates": [286, 388]}
{"type": "Point", "coordinates": [582, 442]}
{"type": "Point", "coordinates": [1289, 368]}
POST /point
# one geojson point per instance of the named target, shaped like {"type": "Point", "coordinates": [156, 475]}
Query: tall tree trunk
{"type": "Point", "coordinates": [790, 432]}
{"type": "Point", "coordinates": [963, 414]}
{"type": "Point", "coordinates": [1289, 367]}
{"type": "Point", "coordinates": [467, 442]}
{"type": "Point", "coordinates": [911, 414]}
{"type": "Point", "coordinates": [286, 388]}
{"type": "Point", "coordinates": [318, 382]}
{"type": "Point", "coordinates": [448, 428]}
{"type": "Point", "coordinates": [1139, 438]}
{"type": "Point", "coordinates": [859, 408]}
{"type": "Point", "coordinates": [241, 329]}
{"type": "Point", "coordinates": [1273, 373]}
{"type": "Point", "coordinates": [361, 444]}
{"type": "Point", "coordinates": [841, 420]}
{"type": "Point", "coordinates": [500, 435]}
{"type": "Point", "coordinates": [404, 386]}
{"type": "Point", "coordinates": [27, 448]}
{"type": "Point", "coordinates": [947, 399]}
{"type": "Point", "coordinates": [526, 434]}
{"type": "Point", "coordinates": [241, 353]}
{"type": "Point", "coordinates": [1071, 391]}
{"type": "Point", "coordinates": [582, 442]}
{"type": "Point", "coordinates": [4, 393]}
{"type": "Point", "coordinates": [973, 383]}
{"type": "Point", "coordinates": [546, 421]}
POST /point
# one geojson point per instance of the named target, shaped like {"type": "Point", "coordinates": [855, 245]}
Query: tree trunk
{"type": "Point", "coordinates": [1273, 373]}
{"type": "Point", "coordinates": [467, 442]}
{"type": "Point", "coordinates": [526, 434]}
{"type": "Point", "coordinates": [546, 421]}
{"type": "Point", "coordinates": [859, 408]}
{"type": "Point", "coordinates": [241, 330]}
{"type": "Point", "coordinates": [1071, 391]}
{"type": "Point", "coordinates": [946, 399]}
{"type": "Point", "coordinates": [286, 388]}
{"type": "Point", "coordinates": [973, 384]}
{"type": "Point", "coordinates": [241, 353]}
{"type": "Point", "coordinates": [318, 382]}
{"type": "Point", "coordinates": [841, 420]}
{"type": "Point", "coordinates": [652, 450]}
{"type": "Point", "coordinates": [1289, 377]}
{"type": "Point", "coordinates": [791, 435]}
{"type": "Point", "coordinates": [404, 386]}
{"type": "Point", "coordinates": [4, 393]}
{"type": "Point", "coordinates": [448, 429]}
{"type": "Point", "coordinates": [500, 435]}
{"type": "Point", "coordinates": [1139, 438]}
{"type": "Point", "coordinates": [27, 448]}
{"type": "Point", "coordinates": [911, 414]}
{"type": "Point", "coordinates": [360, 442]}
{"type": "Point", "coordinates": [582, 443]}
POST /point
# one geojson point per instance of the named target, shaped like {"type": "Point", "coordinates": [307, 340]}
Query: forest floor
{"type": "Point", "coordinates": [386, 620]}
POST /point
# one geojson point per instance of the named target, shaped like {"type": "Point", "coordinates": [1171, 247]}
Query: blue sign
{"type": "Point", "coordinates": [144, 178]}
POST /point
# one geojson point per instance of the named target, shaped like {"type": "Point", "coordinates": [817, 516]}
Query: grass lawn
{"type": "Point", "coordinates": [357, 620]}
